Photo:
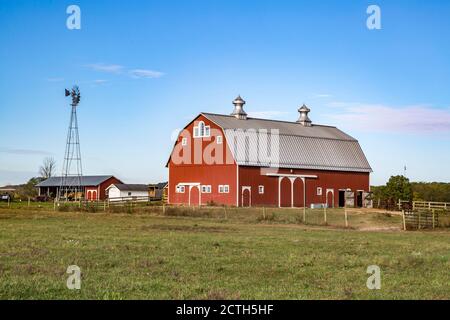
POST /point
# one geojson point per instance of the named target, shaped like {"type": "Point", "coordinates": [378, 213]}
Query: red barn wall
{"type": "Point", "coordinates": [106, 184]}
{"type": "Point", "coordinates": [196, 170]}
{"type": "Point", "coordinates": [251, 176]}
{"type": "Point", "coordinates": [100, 189]}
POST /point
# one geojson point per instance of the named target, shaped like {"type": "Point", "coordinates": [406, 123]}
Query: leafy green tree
{"type": "Point", "coordinates": [28, 189]}
{"type": "Point", "coordinates": [398, 188]}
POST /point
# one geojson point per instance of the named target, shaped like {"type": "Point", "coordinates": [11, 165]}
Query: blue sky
{"type": "Point", "coordinates": [146, 68]}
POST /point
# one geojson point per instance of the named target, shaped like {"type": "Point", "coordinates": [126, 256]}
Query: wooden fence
{"type": "Point", "coordinates": [417, 205]}
{"type": "Point", "coordinates": [421, 219]}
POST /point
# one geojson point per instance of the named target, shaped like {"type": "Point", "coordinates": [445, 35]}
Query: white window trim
{"type": "Point", "coordinates": [184, 141]}
{"type": "Point", "coordinates": [219, 139]}
{"type": "Point", "coordinates": [180, 189]}
{"type": "Point", "coordinates": [261, 189]}
{"type": "Point", "coordinates": [206, 188]}
{"type": "Point", "coordinates": [206, 130]}
{"type": "Point", "coordinates": [319, 191]}
{"type": "Point", "coordinates": [225, 188]}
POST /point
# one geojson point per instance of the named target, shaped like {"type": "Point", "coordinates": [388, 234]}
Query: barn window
{"type": "Point", "coordinates": [219, 139]}
{"type": "Point", "coordinates": [319, 191]}
{"type": "Point", "coordinates": [261, 189]}
{"type": "Point", "coordinates": [180, 189]}
{"type": "Point", "coordinates": [206, 189]}
{"type": "Point", "coordinates": [184, 142]}
{"type": "Point", "coordinates": [224, 188]}
{"type": "Point", "coordinates": [201, 130]}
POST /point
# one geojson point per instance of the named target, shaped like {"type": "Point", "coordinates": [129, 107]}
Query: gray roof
{"type": "Point", "coordinates": [159, 185]}
{"type": "Point", "coordinates": [131, 187]}
{"type": "Point", "coordinates": [86, 181]}
{"type": "Point", "coordinates": [316, 147]}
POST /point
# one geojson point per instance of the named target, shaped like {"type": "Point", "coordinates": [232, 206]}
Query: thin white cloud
{"type": "Point", "coordinates": [118, 69]}
{"type": "Point", "coordinates": [108, 68]}
{"type": "Point", "coordinates": [24, 151]}
{"type": "Point", "coordinates": [144, 73]}
{"type": "Point", "coordinates": [384, 118]}
{"type": "Point", "coordinates": [323, 95]}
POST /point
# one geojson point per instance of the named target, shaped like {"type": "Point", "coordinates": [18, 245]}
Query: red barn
{"type": "Point", "coordinates": [94, 187]}
{"type": "Point", "coordinates": [241, 161]}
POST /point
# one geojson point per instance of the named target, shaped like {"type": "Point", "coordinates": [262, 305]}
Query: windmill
{"type": "Point", "coordinates": [72, 172]}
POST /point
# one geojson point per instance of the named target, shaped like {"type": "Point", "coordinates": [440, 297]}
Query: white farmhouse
{"type": "Point", "coordinates": [126, 191]}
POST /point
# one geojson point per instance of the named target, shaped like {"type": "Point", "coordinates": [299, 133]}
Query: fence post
{"type": "Point", "coordinates": [264, 213]}
{"type": "Point", "coordinates": [164, 209]}
{"type": "Point", "coordinates": [9, 200]}
{"type": "Point", "coordinates": [399, 204]}
{"type": "Point", "coordinates": [28, 202]}
{"type": "Point", "coordinates": [304, 213]}
{"type": "Point", "coordinates": [226, 214]}
{"type": "Point", "coordinates": [418, 225]}
{"type": "Point", "coordinates": [54, 205]}
{"type": "Point", "coordinates": [404, 220]}
{"type": "Point", "coordinates": [433, 218]}
{"type": "Point", "coordinates": [325, 214]}
{"type": "Point", "coordinates": [346, 218]}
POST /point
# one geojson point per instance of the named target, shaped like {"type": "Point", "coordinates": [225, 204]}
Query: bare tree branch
{"type": "Point", "coordinates": [48, 168]}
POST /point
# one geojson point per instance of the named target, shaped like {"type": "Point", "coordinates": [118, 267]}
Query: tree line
{"type": "Point", "coordinates": [400, 188]}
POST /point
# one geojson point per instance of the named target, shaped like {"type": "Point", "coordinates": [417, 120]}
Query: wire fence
{"type": "Point", "coordinates": [334, 217]}
{"type": "Point", "coordinates": [415, 216]}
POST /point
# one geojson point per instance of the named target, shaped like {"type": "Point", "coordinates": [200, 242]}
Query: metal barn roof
{"type": "Point", "coordinates": [131, 187]}
{"type": "Point", "coordinates": [86, 181]}
{"type": "Point", "coordinates": [302, 147]}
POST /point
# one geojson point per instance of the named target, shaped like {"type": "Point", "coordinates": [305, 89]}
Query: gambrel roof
{"type": "Point", "coordinates": [300, 147]}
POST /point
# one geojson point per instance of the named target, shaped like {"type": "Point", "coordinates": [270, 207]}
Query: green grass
{"type": "Point", "coordinates": [201, 255]}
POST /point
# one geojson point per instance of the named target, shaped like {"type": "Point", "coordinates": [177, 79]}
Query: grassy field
{"type": "Point", "coordinates": [213, 254]}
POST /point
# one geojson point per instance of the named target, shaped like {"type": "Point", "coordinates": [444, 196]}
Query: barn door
{"type": "Point", "coordinates": [246, 197]}
{"type": "Point", "coordinates": [298, 194]}
{"type": "Point", "coordinates": [194, 196]}
{"type": "Point", "coordinates": [330, 198]}
{"type": "Point", "coordinates": [285, 193]}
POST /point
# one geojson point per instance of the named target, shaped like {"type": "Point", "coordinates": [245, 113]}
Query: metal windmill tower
{"type": "Point", "coordinates": [72, 172]}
